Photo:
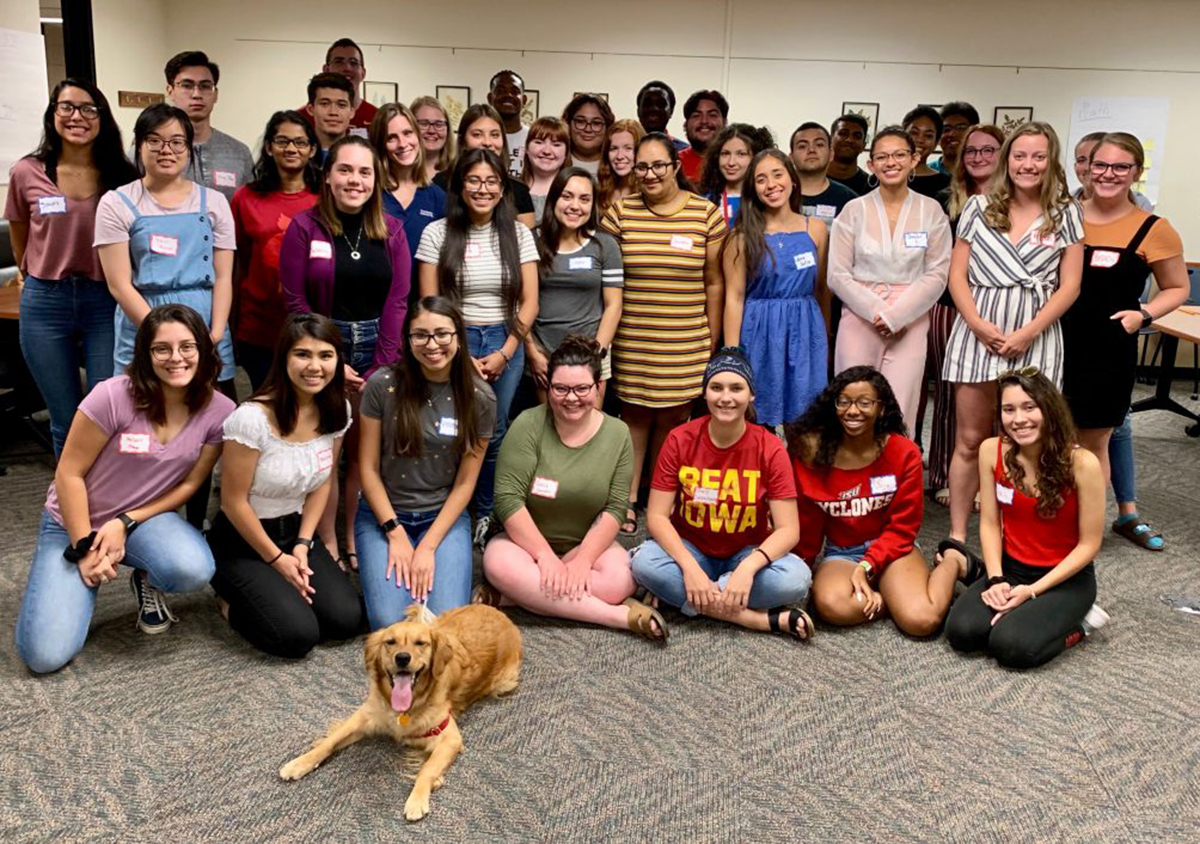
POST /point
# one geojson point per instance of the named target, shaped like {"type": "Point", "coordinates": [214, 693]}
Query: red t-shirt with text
{"type": "Point", "coordinates": [722, 494]}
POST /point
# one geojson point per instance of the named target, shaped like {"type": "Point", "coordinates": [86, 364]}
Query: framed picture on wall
{"type": "Point", "coordinates": [868, 110]}
{"type": "Point", "coordinates": [381, 93]}
{"type": "Point", "coordinates": [1010, 117]}
{"type": "Point", "coordinates": [530, 112]}
{"type": "Point", "coordinates": [455, 99]}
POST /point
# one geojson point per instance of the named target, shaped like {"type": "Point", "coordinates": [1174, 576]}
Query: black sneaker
{"type": "Point", "coordinates": [154, 616]}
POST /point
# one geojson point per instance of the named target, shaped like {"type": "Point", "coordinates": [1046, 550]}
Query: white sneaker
{"type": "Point", "coordinates": [1095, 619]}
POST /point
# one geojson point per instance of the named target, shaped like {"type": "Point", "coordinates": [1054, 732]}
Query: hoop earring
{"type": "Point", "coordinates": [911, 175]}
{"type": "Point", "coordinates": [869, 178]}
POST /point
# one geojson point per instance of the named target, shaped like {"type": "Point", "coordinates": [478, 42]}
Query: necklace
{"type": "Point", "coordinates": [354, 253]}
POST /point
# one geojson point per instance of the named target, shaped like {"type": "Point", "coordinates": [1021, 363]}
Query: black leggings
{"type": "Point", "coordinates": [1036, 631]}
{"type": "Point", "coordinates": [265, 608]}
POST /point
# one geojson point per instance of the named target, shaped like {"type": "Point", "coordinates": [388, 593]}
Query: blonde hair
{"type": "Point", "coordinates": [379, 133]}
{"type": "Point", "coordinates": [962, 184]}
{"type": "Point", "coordinates": [606, 180]}
{"type": "Point", "coordinates": [1053, 198]}
{"type": "Point", "coordinates": [445, 159]}
{"type": "Point", "coordinates": [545, 128]}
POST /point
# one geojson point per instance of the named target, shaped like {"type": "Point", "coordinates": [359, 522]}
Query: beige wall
{"type": "Point", "coordinates": [22, 15]}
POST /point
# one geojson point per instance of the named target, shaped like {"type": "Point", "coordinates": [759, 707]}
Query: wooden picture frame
{"type": "Point", "coordinates": [870, 111]}
{"type": "Point", "coordinates": [381, 93]}
{"type": "Point", "coordinates": [1009, 118]}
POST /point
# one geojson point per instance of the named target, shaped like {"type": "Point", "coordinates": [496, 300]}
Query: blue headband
{"type": "Point", "coordinates": [730, 359]}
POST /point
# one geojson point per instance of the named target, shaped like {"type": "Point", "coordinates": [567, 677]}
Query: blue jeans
{"type": "Point", "coordinates": [66, 325]}
{"type": "Point", "coordinates": [358, 342]}
{"type": "Point", "coordinates": [386, 602]}
{"type": "Point", "coordinates": [57, 608]}
{"type": "Point", "coordinates": [482, 340]}
{"type": "Point", "coordinates": [1120, 456]}
{"type": "Point", "coordinates": [786, 581]}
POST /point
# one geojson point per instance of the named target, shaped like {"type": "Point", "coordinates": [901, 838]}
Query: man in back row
{"type": "Point", "coordinates": [704, 114]}
{"type": "Point", "coordinates": [822, 198]}
{"type": "Point", "coordinates": [849, 140]}
{"type": "Point", "coordinates": [345, 58]}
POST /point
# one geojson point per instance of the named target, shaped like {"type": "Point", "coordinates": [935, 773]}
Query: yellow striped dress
{"type": "Point", "coordinates": [662, 342]}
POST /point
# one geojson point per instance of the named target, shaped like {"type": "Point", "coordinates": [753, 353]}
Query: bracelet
{"type": "Point", "coordinates": [766, 556]}
{"type": "Point", "coordinates": [866, 567]}
{"type": "Point", "coordinates": [507, 359]}
{"type": "Point", "coordinates": [271, 561]}
{"type": "Point", "coordinates": [1032, 594]}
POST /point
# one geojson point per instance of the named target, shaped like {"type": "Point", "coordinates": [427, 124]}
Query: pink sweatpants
{"type": "Point", "coordinates": [901, 360]}
{"type": "Point", "coordinates": [511, 569]}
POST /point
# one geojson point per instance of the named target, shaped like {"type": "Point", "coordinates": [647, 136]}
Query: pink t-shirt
{"type": "Point", "coordinates": [60, 229]}
{"type": "Point", "coordinates": [134, 468]}
{"type": "Point", "coordinates": [114, 218]}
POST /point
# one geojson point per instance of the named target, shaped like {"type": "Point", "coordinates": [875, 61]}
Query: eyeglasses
{"type": "Point", "coordinates": [1023, 372]}
{"type": "Point", "coordinates": [476, 184]}
{"type": "Point", "coordinates": [154, 143]}
{"type": "Point", "coordinates": [596, 124]}
{"type": "Point", "coordinates": [981, 152]}
{"type": "Point", "coordinates": [438, 125]}
{"type": "Point", "coordinates": [441, 337]}
{"type": "Point", "coordinates": [189, 86]}
{"type": "Point", "coordinates": [884, 157]}
{"type": "Point", "coordinates": [862, 403]}
{"type": "Point", "coordinates": [282, 142]}
{"type": "Point", "coordinates": [1099, 168]}
{"type": "Point", "coordinates": [163, 352]}
{"type": "Point", "coordinates": [658, 168]}
{"type": "Point", "coordinates": [580, 391]}
{"type": "Point", "coordinates": [345, 61]}
{"type": "Point", "coordinates": [86, 110]}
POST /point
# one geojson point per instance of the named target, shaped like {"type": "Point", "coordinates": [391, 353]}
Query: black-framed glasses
{"type": "Point", "coordinates": [163, 352]}
{"type": "Point", "coordinates": [441, 337]}
{"type": "Point", "coordinates": [981, 152]}
{"type": "Point", "coordinates": [862, 403]}
{"type": "Point", "coordinates": [476, 184]}
{"type": "Point", "coordinates": [658, 168]}
{"type": "Point", "coordinates": [1121, 168]}
{"type": "Point", "coordinates": [438, 125]}
{"type": "Point", "coordinates": [596, 124]}
{"type": "Point", "coordinates": [88, 111]}
{"type": "Point", "coordinates": [176, 144]}
{"type": "Point", "coordinates": [282, 142]}
{"type": "Point", "coordinates": [580, 391]}
{"type": "Point", "coordinates": [188, 86]}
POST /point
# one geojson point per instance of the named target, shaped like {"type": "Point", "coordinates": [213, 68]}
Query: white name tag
{"type": "Point", "coordinates": [545, 487]}
{"type": "Point", "coordinates": [882, 484]}
{"type": "Point", "coordinates": [805, 260]}
{"type": "Point", "coordinates": [1105, 258]}
{"type": "Point", "coordinates": [829, 211]}
{"type": "Point", "coordinates": [1045, 240]}
{"type": "Point", "coordinates": [916, 240]}
{"type": "Point", "coordinates": [161, 244]}
{"type": "Point", "coordinates": [681, 241]}
{"type": "Point", "coordinates": [324, 459]}
{"type": "Point", "coordinates": [135, 443]}
{"type": "Point", "coordinates": [359, 130]}
{"type": "Point", "coordinates": [1004, 494]}
{"type": "Point", "coordinates": [322, 249]}
{"type": "Point", "coordinates": [224, 179]}
{"type": "Point", "coordinates": [425, 212]}
{"type": "Point", "coordinates": [583, 263]}
{"type": "Point", "coordinates": [472, 250]}
{"type": "Point", "coordinates": [52, 205]}
{"type": "Point", "coordinates": [705, 496]}
{"type": "Point", "coordinates": [448, 426]}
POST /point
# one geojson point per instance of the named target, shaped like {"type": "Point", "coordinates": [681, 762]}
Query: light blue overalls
{"type": "Point", "coordinates": [185, 278]}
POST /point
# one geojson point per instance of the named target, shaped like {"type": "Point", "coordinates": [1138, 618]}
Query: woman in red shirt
{"type": "Point", "coordinates": [859, 484]}
{"type": "Point", "coordinates": [1041, 520]}
{"type": "Point", "coordinates": [722, 515]}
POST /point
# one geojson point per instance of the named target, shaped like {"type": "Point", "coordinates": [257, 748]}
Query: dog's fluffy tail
{"type": "Point", "coordinates": [421, 613]}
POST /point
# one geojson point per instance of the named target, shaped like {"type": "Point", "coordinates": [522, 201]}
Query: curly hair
{"type": "Point", "coordinates": [1054, 198]}
{"type": "Point", "coordinates": [821, 421]}
{"type": "Point", "coordinates": [1055, 464]}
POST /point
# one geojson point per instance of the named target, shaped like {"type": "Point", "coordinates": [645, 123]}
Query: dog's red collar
{"type": "Point", "coordinates": [439, 728]}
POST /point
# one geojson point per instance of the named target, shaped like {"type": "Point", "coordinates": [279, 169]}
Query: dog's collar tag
{"type": "Point", "coordinates": [402, 719]}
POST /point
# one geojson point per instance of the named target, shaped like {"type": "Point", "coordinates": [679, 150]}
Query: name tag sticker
{"type": "Point", "coordinates": [829, 211]}
{"type": "Point", "coordinates": [705, 496]}
{"type": "Point", "coordinates": [224, 179]}
{"type": "Point", "coordinates": [805, 260]}
{"type": "Point", "coordinates": [425, 212]}
{"type": "Point", "coordinates": [448, 426]}
{"type": "Point", "coordinates": [52, 205]}
{"type": "Point", "coordinates": [681, 241]}
{"type": "Point", "coordinates": [1004, 494]}
{"type": "Point", "coordinates": [324, 459]}
{"type": "Point", "coordinates": [135, 443]}
{"type": "Point", "coordinates": [472, 250]}
{"type": "Point", "coordinates": [916, 240]}
{"type": "Point", "coordinates": [545, 487]}
{"type": "Point", "coordinates": [162, 244]}
{"type": "Point", "coordinates": [882, 484]}
{"type": "Point", "coordinates": [360, 131]}
{"type": "Point", "coordinates": [583, 263]}
{"type": "Point", "coordinates": [1049, 240]}
{"type": "Point", "coordinates": [321, 249]}
{"type": "Point", "coordinates": [1105, 258]}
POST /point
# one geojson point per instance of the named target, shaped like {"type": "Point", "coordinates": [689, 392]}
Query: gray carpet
{"type": "Point", "coordinates": [724, 735]}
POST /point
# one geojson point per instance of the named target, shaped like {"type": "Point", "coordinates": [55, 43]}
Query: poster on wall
{"type": "Point", "coordinates": [23, 81]}
{"type": "Point", "coordinates": [1143, 117]}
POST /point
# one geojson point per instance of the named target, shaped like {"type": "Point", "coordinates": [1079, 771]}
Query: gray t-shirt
{"type": "Point", "coordinates": [222, 163]}
{"type": "Point", "coordinates": [570, 300]}
{"type": "Point", "coordinates": [417, 485]}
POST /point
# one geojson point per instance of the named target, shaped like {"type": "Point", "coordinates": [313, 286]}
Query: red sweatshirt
{"type": "Point", "coordinates": [880, 503]}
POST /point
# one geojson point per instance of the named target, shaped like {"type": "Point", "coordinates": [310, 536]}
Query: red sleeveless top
{"type": "Point", "coordinates": [1028, 537]}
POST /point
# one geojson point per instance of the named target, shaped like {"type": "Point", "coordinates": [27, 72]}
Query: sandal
{"type": "Point", "coordinates": [799, 623]}
{"type": "Point", "coordinates": [642, 621]}
{"type": "Point", "coordinates": [975, 567]}
{"type": "Point", "coordinates": [486, 594]}
{"type": "Point", "coordinates": [941, 497]}
{"type": "Point", "coordinates": [1138, 532]}
{"type": "Point", "coordinates": [630, 526]}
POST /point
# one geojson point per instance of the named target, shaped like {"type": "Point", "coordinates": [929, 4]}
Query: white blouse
{"type": "Point", "coordinates": [916, 255]}
{"type": "Point", "coordinates": [287, 471]}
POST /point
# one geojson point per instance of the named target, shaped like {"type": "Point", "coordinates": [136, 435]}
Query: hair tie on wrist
{"type": "Point", "coordinates": [271, 561]}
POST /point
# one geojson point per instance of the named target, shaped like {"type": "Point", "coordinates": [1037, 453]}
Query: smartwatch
{"type": "Point", "coordinates": [305, 541]}
{"type": "Point", "coordinates": [129, 521]}
{"type": "Point", "coordinates": [389, 526]}
{"type": "Point", "coordinates": [75, 553]}
{"type": "Point", "coordinates": [1146, 318]}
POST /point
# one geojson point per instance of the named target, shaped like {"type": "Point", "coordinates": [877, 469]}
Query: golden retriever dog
{"type": "Point", "coordinates": [423, 673]}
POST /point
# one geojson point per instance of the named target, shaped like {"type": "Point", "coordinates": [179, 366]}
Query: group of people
{"type": "Point", "coordinates": [429, 324]}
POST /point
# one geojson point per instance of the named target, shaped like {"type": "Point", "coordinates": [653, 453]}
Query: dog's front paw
{"type": "Point", "coordinates": [296, 769]}
{"type": "Point", "coordinates": [417, 805]}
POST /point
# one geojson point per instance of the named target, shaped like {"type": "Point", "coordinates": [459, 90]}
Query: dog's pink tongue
{"type": "Point", "coordinates": [402, 692]}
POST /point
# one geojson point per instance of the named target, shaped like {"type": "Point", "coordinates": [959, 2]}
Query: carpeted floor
{"type": "Point", "coordinates": [723, 735]}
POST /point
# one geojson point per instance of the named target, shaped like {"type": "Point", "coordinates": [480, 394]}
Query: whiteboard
{"type": "Point", "coordinates": [1143, 117]}
{"type": "Point", "coordinates": [23, 81]}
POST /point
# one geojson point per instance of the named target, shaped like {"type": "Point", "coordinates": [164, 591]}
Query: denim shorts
{"type": "Point", "coordinates": [853, 553]}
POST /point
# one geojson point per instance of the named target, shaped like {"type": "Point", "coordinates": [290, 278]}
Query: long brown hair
{"type": "Point", "coordinates": [1055, 464]}
{"type": "Point", "coordinates": [279, 393]}
{"type": "Point", "coordinates": [750, 228]}
{"type": "Point", "coordinates": [379, 134]}
{"type": "Point", "coordinates": [412, 389]}
{"type": "Point", "coordinates": [445, 159]}
{"type": "Point", "coordinates": [606, 179]}
{"type": "Point", "coordinates": [1053, 198]}
{"type": "Point", "coordinates": [143, 382]}
{"type": "Point", "coordinates": [372, 212]}
{"type": "Point", "coordinates": [962, 183]}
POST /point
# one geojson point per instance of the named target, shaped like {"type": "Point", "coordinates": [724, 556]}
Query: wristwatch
{"type": "Point", "coordinates": [129, 521]}
{"type": "Point", "coordinates": [75, 553]}
{"type": "Point", "coordinates": [1146, 318]}
{"type": "Point", "coordinates": [389, 526]}
{"type": "Point", "coordinates": [305, 541]}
